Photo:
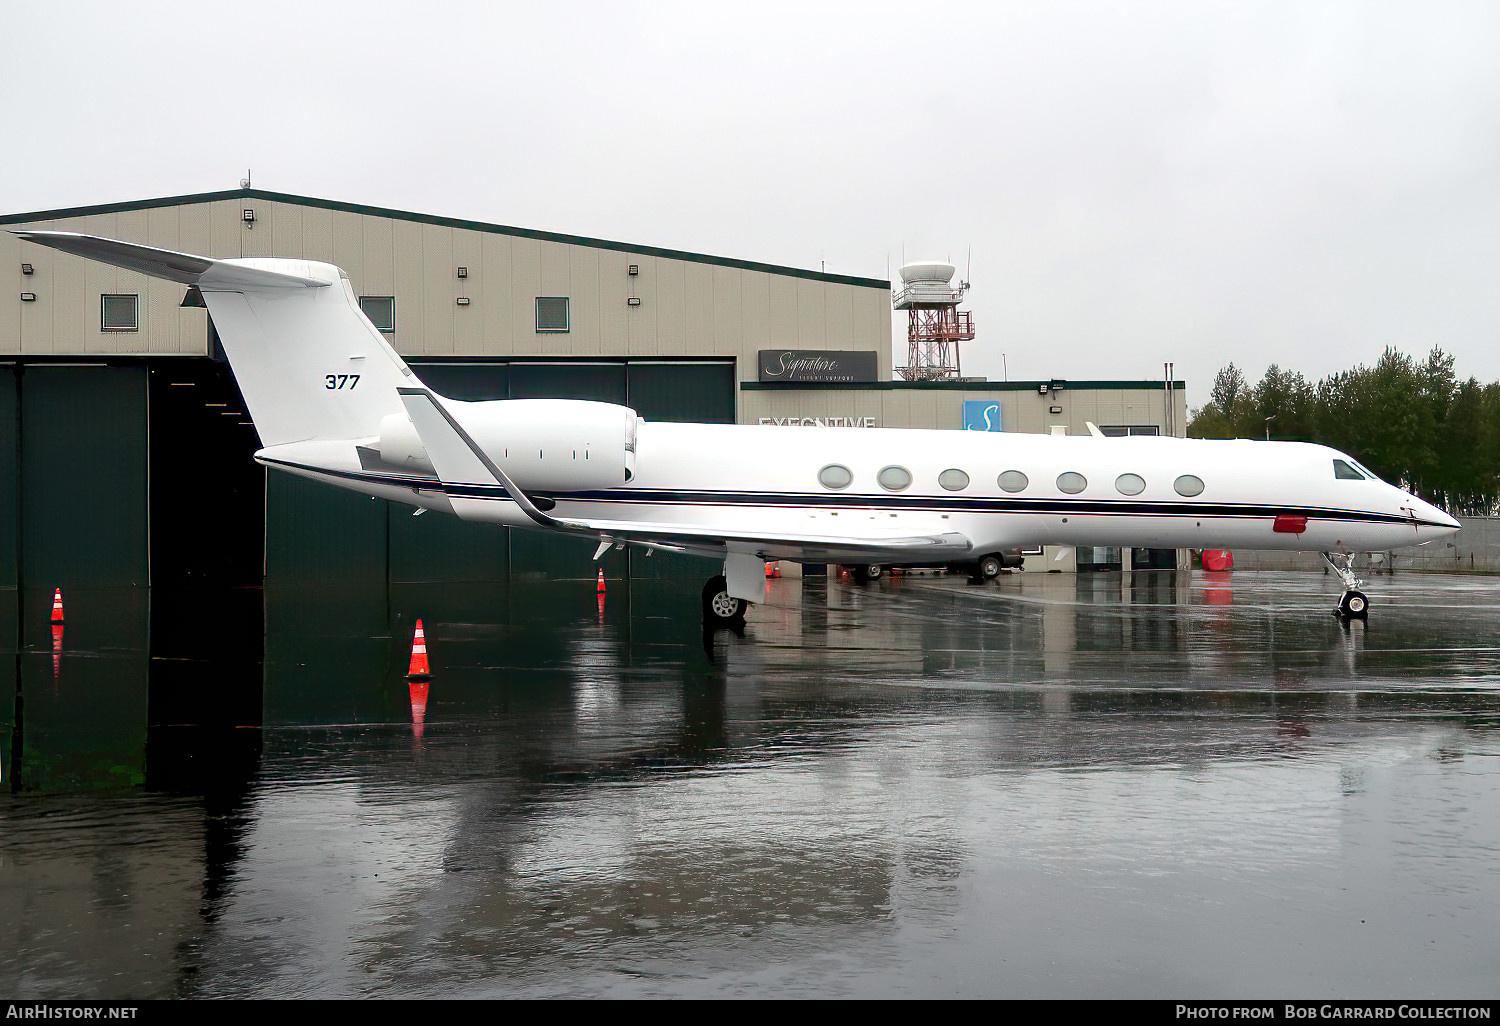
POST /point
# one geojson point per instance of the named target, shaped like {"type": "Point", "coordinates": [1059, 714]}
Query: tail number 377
{"type": "Point", "coordinates": [340, 380]}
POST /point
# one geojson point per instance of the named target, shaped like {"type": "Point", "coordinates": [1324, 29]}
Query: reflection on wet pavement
{"type": "Point", "coordinates": [1144, 785]}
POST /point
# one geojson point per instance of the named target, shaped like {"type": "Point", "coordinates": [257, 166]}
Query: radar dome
{"type": "Point", "coordinates": [928, 273]}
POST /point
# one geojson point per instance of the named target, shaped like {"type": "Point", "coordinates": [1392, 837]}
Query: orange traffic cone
{"type": "Point", "coordinates": [601, 581]}
{"type": "Point", "coordinates": [419, 659]}
{"type": "Point", "coordinates": [57, 611]}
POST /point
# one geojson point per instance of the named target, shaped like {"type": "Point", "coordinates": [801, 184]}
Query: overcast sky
{"type": "Point", "coordinates": [1302, 182]}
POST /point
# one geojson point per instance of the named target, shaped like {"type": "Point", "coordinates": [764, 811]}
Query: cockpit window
{"type": "Point", "coordinates": [1344, 472]}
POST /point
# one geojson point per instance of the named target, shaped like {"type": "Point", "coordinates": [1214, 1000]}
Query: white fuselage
{"type": "Point", "coordinates": [744, 478]}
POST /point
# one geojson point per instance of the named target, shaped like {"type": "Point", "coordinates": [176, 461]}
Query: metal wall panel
{"type": "Point", "coordinates": [671, 306]}
{"type": "Point", "coordinates": [469, 321]}
{"type": "Point", "coordinates": [525, 286]}
{"type": "Point", "coordinates": [317, 235]}
{"type": "Point", "coordinates": [584, 333]}
{"type": "Point", "coordinates": [411, 321]}
{"type": "Point", "coordinates": [10, 466]}
{"type": "Point", "coordinates": [317, 534]}
{"type": "Point", "coordinates": [494, 296]}
{"type": "Point", "coordinates": [783, 315]}
{"type": "Point", "coordinates": [436, 291]}
{"type": "Point", "coordinates": [727, 335]}
{"type": "Point", "coordinates": [83, 473]}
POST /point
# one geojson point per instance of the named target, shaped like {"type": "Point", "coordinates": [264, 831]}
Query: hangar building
{"type": "Point", "coordinates": [125, 449]}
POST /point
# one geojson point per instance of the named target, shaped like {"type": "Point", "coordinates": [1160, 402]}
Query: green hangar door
{"type": "Point", "coordinates": [317, 534]}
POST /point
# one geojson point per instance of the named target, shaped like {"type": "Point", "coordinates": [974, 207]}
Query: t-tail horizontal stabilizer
{"type": "Point", "coordinates": [184, 268]}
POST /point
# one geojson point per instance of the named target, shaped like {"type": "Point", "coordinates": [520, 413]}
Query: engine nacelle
{"type": "Point", "coordinates": [555, 445]}
{"type": "Point", "coordinates": [543, 445]}
{"type": "Point", "coordinates": [400, 447]}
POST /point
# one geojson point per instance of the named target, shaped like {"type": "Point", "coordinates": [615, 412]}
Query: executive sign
{"type": "Point", "coordinates": [818, 365]}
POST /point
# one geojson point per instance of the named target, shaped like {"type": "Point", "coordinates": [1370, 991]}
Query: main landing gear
{"type": "Point", "coordinates": [1353, 603]}
{"type": "Point", "coordinates": [720, 609]}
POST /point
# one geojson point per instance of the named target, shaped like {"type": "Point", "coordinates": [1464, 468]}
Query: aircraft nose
{"type": "Point", "coordinates": [1430, 514]}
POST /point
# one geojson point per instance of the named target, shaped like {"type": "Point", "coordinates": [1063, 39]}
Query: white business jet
{"type": "Point", "coordinates": [333, 401]}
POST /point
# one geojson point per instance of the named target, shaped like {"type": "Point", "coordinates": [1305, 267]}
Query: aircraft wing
{"type": "Point", "coordinates": [458, 459]}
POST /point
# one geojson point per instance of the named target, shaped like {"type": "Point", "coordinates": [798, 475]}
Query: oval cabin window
{"type": "Point", "coordinates": [1071, 482]}
{"type": "Point", "coordinates": [954, 480]}
{"type": "Point", "coordinates": [1013, 481]}
{"type": "Point", "coordinates": [894, 478]}
{"type": "Point", "coordinates": [835, 476]}
{"type": "Point", "coordinates": [1188, 485]}
{"type": "Point", "coordinates": [1130, 484]}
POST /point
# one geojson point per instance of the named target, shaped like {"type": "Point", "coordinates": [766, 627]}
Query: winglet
{"type": "Point", "coordinates": [458, 459]}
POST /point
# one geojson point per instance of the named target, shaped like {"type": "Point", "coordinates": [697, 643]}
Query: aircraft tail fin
{"type": "Point", "coordinates": [308, 361]}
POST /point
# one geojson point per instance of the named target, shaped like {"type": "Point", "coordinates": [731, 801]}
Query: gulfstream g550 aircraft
{"type": "Point", "coordinates": [332, 401]}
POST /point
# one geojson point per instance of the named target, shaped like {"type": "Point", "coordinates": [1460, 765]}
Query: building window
{"type": "Point", "coordinates": [1013, 481]}
{"type": "Point", "coordinates": [1123, 430]}
{"type": "Point", "coordinates": [119, 313]}
{"type": "Point", "coordinates": [381, 310]}
{"type": "Point", "coordinates": [1071, 483]}
{"type": "Point", "coordinates": [1188, 485]}
{"type": "Point", "coordinates": [552, 313]}
{"type": "Point", "coordinates": [1130, 484]}
{"type": "Point", "coordinates": [954, 480]}
{"type": "Point", "coordinates": [835, 476]}
{"type": "Point", "coordinates": [894, 478]}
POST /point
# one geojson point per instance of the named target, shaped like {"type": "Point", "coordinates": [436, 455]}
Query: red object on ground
{"type": "Point", "coordinates": [418, 689]}
{"type": "Point", "coordinates": [601, 580]}
{"type": "Point", "coordinates": [57, 612]}
{"type": "Point", "coordinates": [1218, 559]}
{"type": "Point", "coordinates": [419, 659]}
{"type": "Point", "coordinates": [1286, 523]}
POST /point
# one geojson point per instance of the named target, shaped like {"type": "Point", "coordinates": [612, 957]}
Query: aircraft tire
{"type": "Point", "coordinates": [989, 566]}
{"type": "Point", "coordinates": [1354, 605]}
{"type": "Point", "coordinates": [867, 572]}
{"type": "Point", "coordinates": [720, 609]}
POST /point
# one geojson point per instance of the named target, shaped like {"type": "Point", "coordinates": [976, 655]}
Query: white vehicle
{"type": "Point", "coordinates": [333, 401]}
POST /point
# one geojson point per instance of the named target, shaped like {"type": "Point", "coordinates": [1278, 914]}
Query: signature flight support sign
{"type": "Point", "coordinates": [818, 365]}
{"type": "Point", "coordinates": [982, 415]}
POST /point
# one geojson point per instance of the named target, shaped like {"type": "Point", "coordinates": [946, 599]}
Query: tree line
{"type": "Point", "coordinates": [1412, 422]}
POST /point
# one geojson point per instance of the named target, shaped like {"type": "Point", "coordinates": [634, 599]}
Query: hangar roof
{"type": "Point", "coordinates": [447, 222]}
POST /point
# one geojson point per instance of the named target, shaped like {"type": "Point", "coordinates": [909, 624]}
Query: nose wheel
{"type": "Point", "coordinates": [1353, 603]}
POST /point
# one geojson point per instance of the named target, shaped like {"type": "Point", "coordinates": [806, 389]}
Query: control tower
{"type": "Point", "coordinates": [936, 325]}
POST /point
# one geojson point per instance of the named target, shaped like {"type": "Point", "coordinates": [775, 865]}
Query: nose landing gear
{"type": "Point", "coordinates": [1353, 603]}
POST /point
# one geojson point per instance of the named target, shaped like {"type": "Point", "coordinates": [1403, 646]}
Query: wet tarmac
{"type": "Point", "coordinates": [1142, 785]}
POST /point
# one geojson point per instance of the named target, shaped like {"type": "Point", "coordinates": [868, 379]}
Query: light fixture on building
{"type": "Point", "coordinates": [463, 272]}
{"type": "Point", "coordinates": [1054, 409]}
{"type": "Point", "coordinates": [248, 216]}
{"type": "Point", "coordinates": [634, 269]}
{"type": "Point", "coordinates": [27, 269]}
{"type": "Point", "coordinates": [633, 301]}
{"type": "Point", "coordinates": [463, 300]}
{"type": "Point", "coordinates": [1042, 389]}
{"type": "Point", "coordinates": [28, 297]}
